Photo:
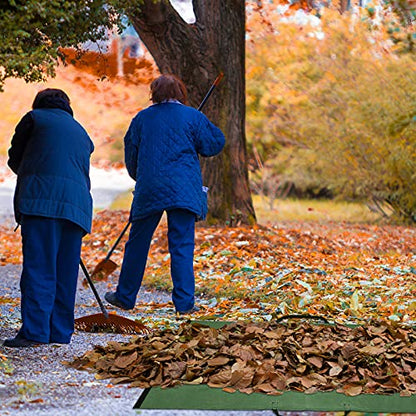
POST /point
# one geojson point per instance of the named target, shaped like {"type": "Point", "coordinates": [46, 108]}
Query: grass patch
{"type": "Point", "coordinates": [313, 210]}
{"type": "Point", "coordinates": [158, 281]}
{"type": "Point", "coordinates": [123, 201]}
{"type": "Point", "coordinates": [295, 210]}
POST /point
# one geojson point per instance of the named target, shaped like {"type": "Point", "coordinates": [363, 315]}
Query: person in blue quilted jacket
{"type": "Point", "coordinates": [50, 153]}
{"type": "Point", "coordinates": [162, 148]}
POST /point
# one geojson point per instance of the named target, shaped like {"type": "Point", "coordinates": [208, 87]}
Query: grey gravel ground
{"type": "Point", "coordinates": [34, 382]}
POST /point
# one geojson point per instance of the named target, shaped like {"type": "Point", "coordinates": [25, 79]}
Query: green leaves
{"type": "Point", "coordinates": [33, 31]}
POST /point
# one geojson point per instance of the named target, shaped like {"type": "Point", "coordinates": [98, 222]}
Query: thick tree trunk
{"type": "Point", "coordinates": [197, 53]}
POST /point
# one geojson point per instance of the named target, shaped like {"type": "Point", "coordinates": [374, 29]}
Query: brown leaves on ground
{"type": "Point", "coordinates": [345, 272]}
{"type": "Point", "coordinates": [268, 358]}
{"type": "Point", "coordinates": [342, 271]}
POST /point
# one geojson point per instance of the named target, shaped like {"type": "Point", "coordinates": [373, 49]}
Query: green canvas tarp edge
{"type": "Point", "coordinates": [202, 397]}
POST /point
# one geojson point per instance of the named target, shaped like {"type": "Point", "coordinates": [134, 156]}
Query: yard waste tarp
{"type": "Point", "coordinates": [203, 397]}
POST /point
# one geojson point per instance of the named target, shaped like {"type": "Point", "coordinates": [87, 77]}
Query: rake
{"type": "Point", "coordinates": [105, 322]}
{"type": "Point", "coordinates": [105, 267]}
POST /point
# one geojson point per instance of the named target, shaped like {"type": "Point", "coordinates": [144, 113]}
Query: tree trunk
{"type": "Point", "coordinates": [197, 53]}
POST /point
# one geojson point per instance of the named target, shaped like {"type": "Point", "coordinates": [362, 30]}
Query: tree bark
{"type": "Point", "coordinates": [197, 53]}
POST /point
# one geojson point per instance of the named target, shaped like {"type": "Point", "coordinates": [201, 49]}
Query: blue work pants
{"type": "Point", "coordinates": [181, 239]}
{"type": "Point", "coordinates": [51, 255]}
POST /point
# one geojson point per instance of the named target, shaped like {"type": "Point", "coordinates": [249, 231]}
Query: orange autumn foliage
{"type": "Point", "coordinates": [106, 66]}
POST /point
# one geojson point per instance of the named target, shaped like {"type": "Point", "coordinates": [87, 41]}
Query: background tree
{"type": "Point", "coordinates": [340, 111]}
{"type": "Point", "coordinates": [33, 31]}
{"type": "Point", "coordinates": [197, 53]}
{"type": "Point", "coordinates": [319, 111]}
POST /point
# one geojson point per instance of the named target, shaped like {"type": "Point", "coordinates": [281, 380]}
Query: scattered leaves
{"type": "Point", "coordinates": [347, 273]}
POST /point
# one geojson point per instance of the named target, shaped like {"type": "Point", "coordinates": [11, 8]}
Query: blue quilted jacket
{"type": "Point", "coordinates": [50, 154]}
{"type": "Point", "coordinates": [162, 146]}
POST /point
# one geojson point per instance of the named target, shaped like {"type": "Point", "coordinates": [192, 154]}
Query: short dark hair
{"type": "Point", "coordinates": [168, 87]}
{"type": "Point", "coordinates": [48, 94]}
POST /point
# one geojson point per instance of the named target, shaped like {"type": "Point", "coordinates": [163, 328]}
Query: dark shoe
{"type": "Point", "coordinates": [52, 341]}
{"type": "Point", "coordinates": [189, 311]}
{"type": "Point", "coordinates": [20, 342]}
{"type": "Point", "coordinates": [111, 298]}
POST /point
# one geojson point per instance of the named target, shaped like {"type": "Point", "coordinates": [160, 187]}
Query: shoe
{"type": "Point", "coordinates": [111, 298]}
{"type": "Point", "coordinates": [20, 342]}
{"type": "Point", "coordinates": [189, 311]}
{"type": "Point", "coordinates": [51, 341]}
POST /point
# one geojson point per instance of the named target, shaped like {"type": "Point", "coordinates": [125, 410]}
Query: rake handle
{"type": "Point", "coordinates": [90, 282]}
{"type": "Point", "coordinates": [117, 241]}
{"type": "Point", "coordinates": [215, 83]}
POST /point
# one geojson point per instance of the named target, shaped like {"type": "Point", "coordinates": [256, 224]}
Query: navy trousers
{"type": "Point", "coordinates": [181, 239]}
{"type": "Point", "coordinates": [51, 253]}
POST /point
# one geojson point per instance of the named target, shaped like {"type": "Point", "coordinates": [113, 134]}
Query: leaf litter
{"type": "Point", "coordinates": [345, 272]}
{"type": "Point", "coordinates": [348, 273]}
{"type": "Point", "coordinates": [267, 357]}
{"type": "Point", "coordinates": [360, 274]}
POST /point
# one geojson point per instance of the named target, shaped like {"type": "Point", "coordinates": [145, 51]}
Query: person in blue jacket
{"type": "Point", "coordinates": [50, 153]}
{"type": "Point", "coordinates": [162, 146]}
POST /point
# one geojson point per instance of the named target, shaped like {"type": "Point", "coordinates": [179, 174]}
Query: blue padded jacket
{"type": "Point", "coordinates": [162, 146]}
{"type": "Point", "coordinates": [50, 154]}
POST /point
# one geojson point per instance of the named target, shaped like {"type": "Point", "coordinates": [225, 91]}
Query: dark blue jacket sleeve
{"type": "Point", "coordinates": [210, 140]}
{"type": "Point", "coordinates": [19, 141]}
{"type": "Point", "coordinates": [131, 149]}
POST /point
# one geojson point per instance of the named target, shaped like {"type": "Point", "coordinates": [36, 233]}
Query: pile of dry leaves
{"type": "Point", "coordinates": [266, 357]}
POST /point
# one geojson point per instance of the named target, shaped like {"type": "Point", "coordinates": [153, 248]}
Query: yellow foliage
{"type": "Point", "coordinates": [342, 99]}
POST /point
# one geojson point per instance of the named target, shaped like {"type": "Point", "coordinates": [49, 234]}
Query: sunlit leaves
{"type": "Point", "coordinates": [345, 272]}
{"type": "Point", "coordinates": [335, 111]}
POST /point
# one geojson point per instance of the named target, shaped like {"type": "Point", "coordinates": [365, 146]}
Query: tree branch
{"type": "Point", "coordinates": [177, 47]}
{"type": "Point", "coordinates": [157, 17]}
{"type": "Point", "coordinates": [199, 10]}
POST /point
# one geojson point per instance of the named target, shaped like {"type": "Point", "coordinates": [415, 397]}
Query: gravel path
{"type": "Point", "coordinates": [34, 382]}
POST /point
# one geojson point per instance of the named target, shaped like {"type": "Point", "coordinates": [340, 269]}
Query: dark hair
{"type": "Point", "coordinates": [49, 95]}
{"type": "Point", "coordinates": [168, 87]}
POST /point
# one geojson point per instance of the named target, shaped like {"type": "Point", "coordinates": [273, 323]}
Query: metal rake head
{"type": "Point", "coordinates": [113, 324]}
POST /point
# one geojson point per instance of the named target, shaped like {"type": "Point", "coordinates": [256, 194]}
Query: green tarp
{"type": "Point", "coordinates": [203, 397]}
